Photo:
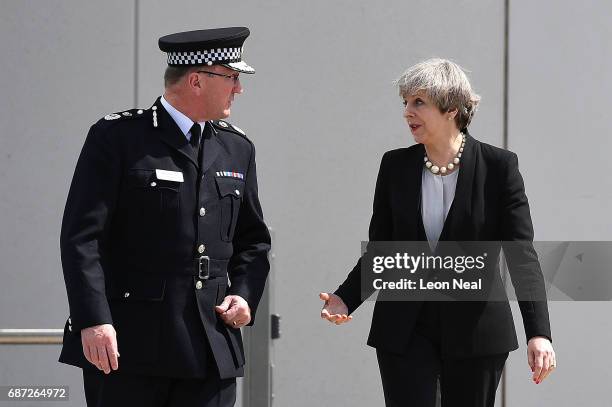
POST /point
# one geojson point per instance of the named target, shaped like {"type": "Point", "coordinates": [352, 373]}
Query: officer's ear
{"type": "Point", "coordinates": [194, 80]}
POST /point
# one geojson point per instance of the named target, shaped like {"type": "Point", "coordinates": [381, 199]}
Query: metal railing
{"type": "Point", "coordinates": [31, 336]}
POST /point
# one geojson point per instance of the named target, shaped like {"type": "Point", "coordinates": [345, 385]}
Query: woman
{"type": "Point", "coordinates": [448, 187]}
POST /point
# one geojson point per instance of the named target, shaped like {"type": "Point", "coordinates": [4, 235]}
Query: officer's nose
{"type": "Point", "coordinates": [237, 87]}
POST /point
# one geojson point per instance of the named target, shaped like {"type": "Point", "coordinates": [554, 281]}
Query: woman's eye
{"type": "Point", "coordinates": [404, 103]}
{"type": "Point", "coordinates": [418, 102]}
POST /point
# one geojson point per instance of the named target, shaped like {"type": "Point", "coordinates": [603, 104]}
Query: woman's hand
{"type": "Point", "coordinates": [541, 358]}
{"type": "Point", "coordinates": [334, 310]}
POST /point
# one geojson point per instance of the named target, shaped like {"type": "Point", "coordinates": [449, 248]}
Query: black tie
{"type": "Point", "coordinates": [195, 138]}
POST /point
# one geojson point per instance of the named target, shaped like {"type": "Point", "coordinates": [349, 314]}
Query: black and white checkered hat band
{"type": "Point", "coordinates": [210, 57]}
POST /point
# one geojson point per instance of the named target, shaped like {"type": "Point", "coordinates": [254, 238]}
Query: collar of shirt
{"type": "Point", "coordinates": [183, 122]}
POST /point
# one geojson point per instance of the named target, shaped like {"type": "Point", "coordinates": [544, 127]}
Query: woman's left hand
{"type": "Point", "coordinates": [541, 358]}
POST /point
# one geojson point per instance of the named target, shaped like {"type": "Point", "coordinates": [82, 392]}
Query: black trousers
{"type": "Point", "coordinates": [411, 379]}
{"type": "Point", "coordinates": [119, 389]}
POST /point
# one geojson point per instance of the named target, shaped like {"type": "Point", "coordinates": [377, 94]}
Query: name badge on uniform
{"type": "Point", "coordinates": [167, 175]}
{"type": "Point", "coordinates": [230, 174]}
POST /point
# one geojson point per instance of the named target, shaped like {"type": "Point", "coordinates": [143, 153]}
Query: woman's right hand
{"type": "Point", "coordinates": [334, 310]}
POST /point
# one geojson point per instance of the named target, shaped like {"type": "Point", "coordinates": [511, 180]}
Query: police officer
{"type": "Point", "coordinates": [164, 248]}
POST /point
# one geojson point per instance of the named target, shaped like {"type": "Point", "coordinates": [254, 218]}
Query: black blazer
{"type": "Point", "coordinates": [130, 238]}
{"type": "Point", "coordinates": [489, 205]}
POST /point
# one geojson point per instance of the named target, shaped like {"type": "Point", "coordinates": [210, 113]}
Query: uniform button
{"type": "Point", "coordinates": [125, 295]}
{"type": "Point", "coordinates": [199, 285]}
{"type": "Point", "coordinates": [201, 248]}
{"type": "Point", "coordinates": [202, 211]}
{"type": "Point", "coordinates": [237, 192]}
{"type": "Point", "coordinates": [153, 183]}
{"type": "Point", "coordinates": [70, 328]}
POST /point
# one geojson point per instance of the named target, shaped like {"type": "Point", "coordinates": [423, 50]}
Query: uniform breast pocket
{"type": "Point", "coordinates": [230, 196]}
{"type": "Point", "coordinates": [152, 197]}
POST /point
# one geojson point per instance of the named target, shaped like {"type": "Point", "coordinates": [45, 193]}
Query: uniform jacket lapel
{"type": "Point", "coordinates": [211, 147]}
{"type": "Point", "coordinates": [172, 135]}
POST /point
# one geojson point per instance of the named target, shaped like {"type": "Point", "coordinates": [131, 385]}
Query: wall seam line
{"type": "Point", "coordinates": [136, 28]}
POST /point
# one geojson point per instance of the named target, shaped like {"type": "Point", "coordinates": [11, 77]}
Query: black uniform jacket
{"type": "Point", "coordinates": [133, 240]}
{"type": "Point", "coordinates": [489, 205]}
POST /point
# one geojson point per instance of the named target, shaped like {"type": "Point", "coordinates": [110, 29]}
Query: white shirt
{"type": "Point", "coordinates": [437, 194]}
{"type": "Point", "coordinates": [183, 122]}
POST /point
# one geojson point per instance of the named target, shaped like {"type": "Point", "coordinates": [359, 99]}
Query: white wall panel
{"type": "Point", "coordinates": [321, 110]}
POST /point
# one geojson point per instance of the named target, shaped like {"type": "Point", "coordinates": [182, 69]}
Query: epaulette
{"type": "Point", "coordinates": [223, 125]}
{"type": "Point", "coordinates": [128, 114]}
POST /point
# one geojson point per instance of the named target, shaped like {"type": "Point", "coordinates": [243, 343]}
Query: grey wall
{"type": "Point", "coordinates": [322, 111]}
{"type": "Point", "coordinates": [63, 66]}
{"type": "Point", "coordinates": [560, 87]}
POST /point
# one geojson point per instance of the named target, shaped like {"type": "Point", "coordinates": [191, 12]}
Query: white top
{"type": "Point", "coordinates": [437, 194]}
{"type": "Point", "coordinates": [183, 122]}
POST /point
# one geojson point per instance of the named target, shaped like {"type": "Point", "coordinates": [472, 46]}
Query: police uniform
{"type": "Point", "coordinates": [156, 233]}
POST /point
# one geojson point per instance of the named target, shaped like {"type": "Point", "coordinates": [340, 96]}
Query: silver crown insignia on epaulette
{"type": "Point", "coordinates": [115, 116]}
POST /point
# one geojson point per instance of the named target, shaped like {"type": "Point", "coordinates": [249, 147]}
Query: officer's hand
{"type": "Point", "coordinates": [541, 358]}
{"type": "Point", "coordinates": [334, 310]}
{"type": "Point", "coordinates": [234, 311]}
{"type": "Point", "coordinates": [100, 347]}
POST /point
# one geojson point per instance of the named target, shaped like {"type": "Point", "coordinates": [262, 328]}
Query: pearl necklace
{"type": "Point", "coordinates": [442, 170]}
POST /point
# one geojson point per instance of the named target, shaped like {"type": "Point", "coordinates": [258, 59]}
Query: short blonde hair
{"type": "Point", "coordinates": [445, 83]}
